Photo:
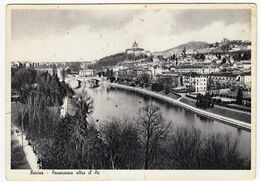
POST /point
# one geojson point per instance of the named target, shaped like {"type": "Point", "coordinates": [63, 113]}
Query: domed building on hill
{"type": "Point", "coordinates": [136, 53]}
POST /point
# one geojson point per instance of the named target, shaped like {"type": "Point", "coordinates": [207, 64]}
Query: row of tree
{"type": "Point", "coordinates": [40, 98]}
{"type": "Point", "coordinates": [146, 142]}
{"type": "Point", "coordinates": [39, 85]}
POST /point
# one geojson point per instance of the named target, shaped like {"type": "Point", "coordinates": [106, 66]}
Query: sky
{"type": "Point", "coordinates": [90, 34]}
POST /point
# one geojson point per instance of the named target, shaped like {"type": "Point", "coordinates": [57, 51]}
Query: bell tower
{"type": "Point", "coordinates": [135, 45]}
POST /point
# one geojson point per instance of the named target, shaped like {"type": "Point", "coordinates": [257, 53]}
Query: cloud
{"type": "Point", "coordinates": [99, 34]}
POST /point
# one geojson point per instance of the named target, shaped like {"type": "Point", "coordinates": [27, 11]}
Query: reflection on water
{"type": "Point", "coordinates": [114, 102]}
{"type": "Point", "coordinates": [204, 118]}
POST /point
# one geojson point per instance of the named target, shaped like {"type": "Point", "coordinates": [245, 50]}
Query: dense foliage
{"type": "Point", "coordinates": [157, 87]}
{"type": "Point", "coordinates": [239, 97]}
{"type": "Point", "coordinates": [108, 61]}
{"type": "Point", "coordinates": [204, 101]}
{"type": "Point", "coordinates": [242, 55]}
{"type": "Point", "coordinates": [39, 86]}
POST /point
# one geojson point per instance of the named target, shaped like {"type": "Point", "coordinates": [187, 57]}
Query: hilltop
{"type": "Point", "coordinates": [194, 45]}
{"type": "Point", "coordinates": [111, 60]}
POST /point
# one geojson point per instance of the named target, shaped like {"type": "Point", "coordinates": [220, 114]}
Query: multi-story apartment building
{"type": "Point", "coordinates": [194, 82]}
{"type": "Point", "coordinates": [224, 78]}
{"type": "Point", "coordinates": [245, 79]}
{"type": "Point", "coordinates": [199, 83]}
{"type": "Point", "coordinates": [201, 69]}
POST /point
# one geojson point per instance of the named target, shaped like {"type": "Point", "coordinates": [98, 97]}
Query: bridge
{"type": "Point", "coordinates": [91, 78]}
{"type": "Point", "coordinates": [76, 82]}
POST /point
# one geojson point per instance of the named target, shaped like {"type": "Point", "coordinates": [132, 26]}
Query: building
{"type": "Point", "coordinates": [146, 71]}
{"type": "Point", "coordinates": [174, 79]}
{"type": "Point", "coordinates": [194, 82]}
{"type": "Point", "coordinates": [199, 84]}
{"type": "Point", "coordinates": [158, 70]}
{"type": "Point", "coordinates": [15, 64]}
{"type": "Point", "coordinates": [224, 78]}
{"type": "Point", "coordinates": [136, 52]}
{"type": "Point", "coordinates": [49, 70]}
{"type": "Point", "coordinates": [155, 70]}
{"type": "Point", "coordinates": [86, 72]}
{"type": "Point", "coordinates": [84, 65]}
{"type": "Point", "coordinates": [245, 79]}
{"type": "Point", "coordinates": [243, 64]}
{"type": "Point", "coordinates": [126, 73]}
{"type": "Point", "coordinates": [201, 69]}
{"type": "Point", "coordinates": [209, 58]}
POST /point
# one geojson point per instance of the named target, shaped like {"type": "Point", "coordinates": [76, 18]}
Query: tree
{"type": "Point", "coordinates": [75, 66]}
{"type": "Point", "coordinates": [157, 87]}
{"type": "Point", "coordinates": [167, 83]}
{"type": "Point", "coordinates": [183, 148]}
{"type": "Point", "coordinates": [173, 57]}
{"type": "Point", "coordinates": [77, 144]}
{"type": "Point", "coordinates": [84, 104]}
{"type": "Point", "coordinates": [200, 56]}
{"type": "Point", "coordinates": [154, 129]}
{"type": "Point", "coordinates": [210, 84]}
{"type": "Point", "coordinates": [145, 78]}
{"type": "Point", "coordinates": [224, 150]}
{"type": "Point", "coordinates": [112, 79]}
{"type": "Point", "coordinates": [239, 97]}
{"type": "Point", "coordinates": [123, 144]}
{"type": "Point", "coordinates": [21, 77]}
{"type": "Point", "coordinates": [107, 73]}
{"type": "Point", "coordinates": [184, 52]}
{"type": "Point", "coordinates": [68, 71]}
{"type": "Point", "coordinates": [246, 55]}
{"type": "Point", "coordinates": [190, 149]}
{"type": "Point", "coordinates": [181, 81]}
{"type": "Point", "coordinates": [63, 74]}
{"type": "Point", "coordinates": [204, 101]}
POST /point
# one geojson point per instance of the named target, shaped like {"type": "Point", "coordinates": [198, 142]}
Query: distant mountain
{"type": "Point", "coordinates": [194, 45]}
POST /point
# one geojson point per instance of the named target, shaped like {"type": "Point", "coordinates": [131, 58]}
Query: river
{"type": "Point", "coordinates": [115, 102]}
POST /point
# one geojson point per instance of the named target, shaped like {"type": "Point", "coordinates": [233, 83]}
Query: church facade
{"type": "Point", "coordinates": [136, 53]}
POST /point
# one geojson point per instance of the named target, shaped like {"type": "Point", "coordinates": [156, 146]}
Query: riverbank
{"type": "Point", "coordinates": [218, 117]}
{"type": "Point", "coordinates": [223, 111]}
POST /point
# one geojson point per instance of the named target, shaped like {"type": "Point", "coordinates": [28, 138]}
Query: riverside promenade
{"type": "Point", "coordinates": [223, 119]}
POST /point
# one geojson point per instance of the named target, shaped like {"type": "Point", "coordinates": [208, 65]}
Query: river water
{"type": "Point", "coordinates": [115, 102]}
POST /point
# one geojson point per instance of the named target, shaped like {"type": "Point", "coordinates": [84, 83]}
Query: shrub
{"type": "Point", "coordinates": [157, 87]}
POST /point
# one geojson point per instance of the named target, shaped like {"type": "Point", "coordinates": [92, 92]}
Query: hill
{"type": "Point", "coordinates": [110, 60]}
{"type": "Point", "coordinates": [194, 45]}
